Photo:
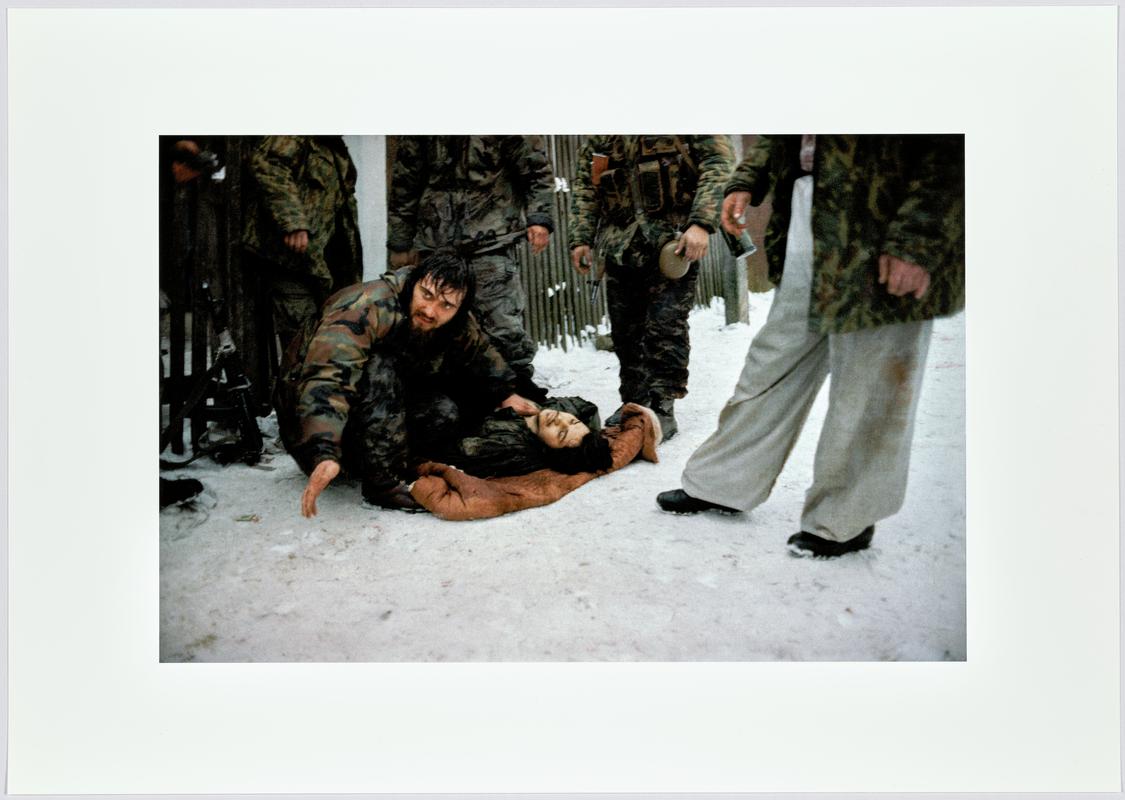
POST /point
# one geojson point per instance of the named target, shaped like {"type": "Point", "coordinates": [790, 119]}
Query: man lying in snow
{"type": "Point", "coordinates": [450, 493]}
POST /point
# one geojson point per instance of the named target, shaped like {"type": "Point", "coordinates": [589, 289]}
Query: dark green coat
{"type": "Point", "coordinates": [321, 370]}
{"type": "Point", "coordinates": [649, 187]}
{"type": "Point", "coordinates": [304, 183]}
{"type": "Point", "coordinates": [901, 195]}
{"type": "Point", "coordinates": [474, 193]}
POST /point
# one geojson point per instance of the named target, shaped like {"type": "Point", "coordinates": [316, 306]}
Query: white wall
{"type": "Point", "coordinates": [370, 156]}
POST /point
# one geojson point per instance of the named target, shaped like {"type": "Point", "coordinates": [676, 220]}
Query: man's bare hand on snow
{"type": "Point", "coordinates": [322, 475]}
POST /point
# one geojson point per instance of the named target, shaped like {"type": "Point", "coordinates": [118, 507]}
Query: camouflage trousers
{"type": "Point", "coordinates": [293, 301]}
{"type": "Point", "coordinates": [389, 421]}
{"type": "Point", "coordinates": [499, 307]}
{"type": "Point", "coordinates": [649, 318]}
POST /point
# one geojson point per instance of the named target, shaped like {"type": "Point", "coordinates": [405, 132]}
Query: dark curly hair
{"type": "Point", "coordinates": [447, 270]}
{"type": "Point", "coordinates": [592, 454]}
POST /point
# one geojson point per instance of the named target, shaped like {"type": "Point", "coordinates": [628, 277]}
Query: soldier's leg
{"type": "Point", "coordinates": [666, 342]}
{"type": "Point", "coordinates": [863, 455]}
{"type": "Point", "coordinates": [374, 440]}
{"type": "Point", "coordinates": [626, 300]}
{"type": "Point", "coordinates": [499, 307]}
{"type": "Point", "coordinates": [294, 301]}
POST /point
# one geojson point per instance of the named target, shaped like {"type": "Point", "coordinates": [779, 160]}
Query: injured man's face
{"type": "Point", "coordinates": [557, 428]}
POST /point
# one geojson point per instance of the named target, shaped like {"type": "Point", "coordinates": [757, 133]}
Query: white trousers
{"type": "Point", "coordinates": [863, 456]}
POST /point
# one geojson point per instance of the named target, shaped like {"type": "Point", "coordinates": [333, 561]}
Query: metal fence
{"type": "Point", "coordinates": [559, 311]}
{"type": "Point", "coordinates": [200, 222]}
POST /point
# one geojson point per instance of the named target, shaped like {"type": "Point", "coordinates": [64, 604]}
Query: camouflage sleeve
{"type": "Point", "coordinates": [484, 363]}
{"type": "Point", "coordinates": [332, 369]}
{"type": "Point", "coordinates": [273, 163]}
{"type": "Point", "coordinates": [584, 209]}
{"type": "Point", "coordinates": [930, 221]}
{"type": "Point", "coordinates": [753, 173]}
{"type": "Point", "coordinates": [529, 155]}
{"type": "Point", "coordinates": [408, 182]}
{"type": "Point", "coordinates": [714, 158]}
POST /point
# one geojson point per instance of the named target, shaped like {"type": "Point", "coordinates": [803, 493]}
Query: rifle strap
{"type": "Point", "coordinates": [684, 154]}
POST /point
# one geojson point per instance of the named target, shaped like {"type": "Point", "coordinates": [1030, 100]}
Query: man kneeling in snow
{"type": "Point", "coordinates": [398, 359]}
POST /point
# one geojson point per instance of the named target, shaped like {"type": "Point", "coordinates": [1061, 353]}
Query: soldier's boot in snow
{"type": "Point", "coordinates": [396, 498]}
{"type": "Point", "coordinates": [663, 408]}
{"type": "Point", "coordinates": [615, 417]}
{"type": "Point", "coordinates": [805, 544]}
{"type": "Point", "coordinates": [677, 501]}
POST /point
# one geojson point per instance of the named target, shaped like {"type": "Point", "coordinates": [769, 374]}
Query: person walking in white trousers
{"type": "Point", "coordinates": [863, 454]}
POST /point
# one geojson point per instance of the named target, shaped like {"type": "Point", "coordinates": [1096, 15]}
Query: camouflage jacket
{"type": "Point", "coordinates": [304, 183]}
{"type": "Point", "coordinates": [475, 193]}
{"type": "Point", "coordinates": [321, 370]}
{"type": "Point", "coordinates": [901, 195]}
{"type": "Point", "coordinates": [656, 185]}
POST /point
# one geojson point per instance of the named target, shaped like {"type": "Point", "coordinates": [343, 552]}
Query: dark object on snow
{"type": "Point", "coordinates": [233, 386]}
{"type": "Point", "coordinates": [677, 501]}
{"type": "Point", "coordinates": [177, 491]}
{"type": "Point", "coordinates": [397, 498]}
{"type": "Point", "coordinates": [806, 544]}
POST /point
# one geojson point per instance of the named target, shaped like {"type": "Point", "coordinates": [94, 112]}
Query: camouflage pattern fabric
{"type": "Point", "coordinates": [901, 195]}
{"type": "Point", "coordinates": [648, 315]}
{"type": "Point", "coordinates": [499, 306]}
{"type": "Point", "coordinates": [302, 183]}
{"type": "Point", "coordinates": [647, 187]}
{"type": "Point", "coordinates": [330, 389]}
{"type": "Point", "coordinates": [475, 194]}
{"type": "Point", "coordinates": [648, 191]}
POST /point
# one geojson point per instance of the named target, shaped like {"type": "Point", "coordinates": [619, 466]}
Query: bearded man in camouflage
{"type": "Point", "coordinates": [631, 195]}
{"type": "Point", "coordinates": [864, 263]}
{"type": "Point", "coordinates": [479, 196]}
{"type": "Point", "coordinates": [393, 367]}
{"type": "Point", "coordinates": [300, 224]}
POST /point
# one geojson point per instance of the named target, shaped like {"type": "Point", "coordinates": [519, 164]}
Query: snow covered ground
{"type": "Point", "coordinates": [601, 575]}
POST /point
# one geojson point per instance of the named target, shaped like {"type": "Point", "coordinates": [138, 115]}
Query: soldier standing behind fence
{"type": "Point", "coordinates": [301, 229]}
{"type": "Point", "coordinates": [631, 195]}
{"type": "Point", "coordinates": [480, 196]}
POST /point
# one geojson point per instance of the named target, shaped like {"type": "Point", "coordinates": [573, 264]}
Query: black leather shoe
{"type": "Point", "coordinates": [677, 501]}
{"type": "Point", "coordinates": [397, 498]}
{"type": "Point", "coordinates": [805, 544]}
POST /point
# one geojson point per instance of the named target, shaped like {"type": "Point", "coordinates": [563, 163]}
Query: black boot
{"type": "Point", "coordinates": [806, 544]}
{"type": "Point", "coordinates": [396, 498]}
{"type": "Point", "coordinates": [663, 409]}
